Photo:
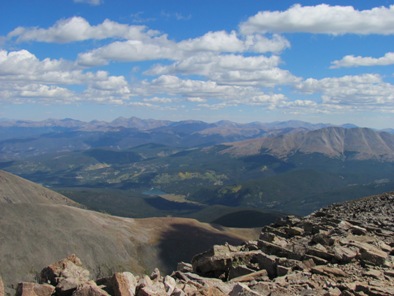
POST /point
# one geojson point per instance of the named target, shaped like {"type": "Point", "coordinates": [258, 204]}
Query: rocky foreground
{"type": "Point", "coordinates": [345, 249]}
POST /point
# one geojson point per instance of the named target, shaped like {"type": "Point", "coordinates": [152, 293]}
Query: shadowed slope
{"type": "Point", "coordinates": [181, 239]}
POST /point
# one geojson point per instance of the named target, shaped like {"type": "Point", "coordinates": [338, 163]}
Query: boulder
{"type": "Point", "coordinates": [66, 275]}
{"type": "Point", "coordinates": [218, 261]}
{"type": "Point", "coordinates": [238, 271]}
{"type": "Point", "coordinates": [343, 254]}
{"type": "Point", "coordinates": [293, 231]}
{"type": "Point", "coordinates": [169, 284]}
{"type": "Point", "coordinates": [371, 254]}
{"type": "Point", "coordinates": [156, 275]}
{"type": "Point", "coordinates": [90, 288]}
{"type": "Point", "coordinates": [282, 270]}
{"type": "Point", "coordinates": [268, 263]}
{"type": "Point", "coordinates": [323, 239]}
{"type": "Point", "coordinates": [124, 284]}
{"type": "Point", "coordinates": [242, 289]}
{"type": "Point", "coordinates": [270, 248]}
{"type": "Point", "coordinates": [34, 289]}
{"type": "Point", "coordinates": [320, 251]}
{"type": "Point", "coordinates": [154, 289]}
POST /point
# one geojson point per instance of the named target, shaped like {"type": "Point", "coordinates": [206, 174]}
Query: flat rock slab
{"type": "Point", "coordinates": [329, 271]}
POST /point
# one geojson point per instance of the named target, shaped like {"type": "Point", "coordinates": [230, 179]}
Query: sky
{"type": "Point", "coordinates": [238, 60]}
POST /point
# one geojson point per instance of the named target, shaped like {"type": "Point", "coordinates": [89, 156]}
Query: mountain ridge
{"type": "Point", "coordinates": [16, 190]}
{"type": "Point", "coordinates": [335, 142]}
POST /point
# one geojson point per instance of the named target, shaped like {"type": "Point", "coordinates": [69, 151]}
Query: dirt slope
{"type": "Point", "coordinates": [14, 189]}
{"type": "Point", "coordinates": [35, 233]}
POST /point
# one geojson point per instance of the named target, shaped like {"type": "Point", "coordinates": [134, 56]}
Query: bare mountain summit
{"type": "Point", "coordinates": [335, 142]}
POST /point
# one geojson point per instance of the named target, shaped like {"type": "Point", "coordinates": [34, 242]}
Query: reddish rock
{"type": "Point", "coordinates": [34, 289]}
{"type": "Point", "coordinates": [52, 273]}
{"type": "Point", "coordinates": [371, 254]}
{"type": "Point", "coordinates": [124, 284]}
{"type": "Point", "coordinates": [169, 284]}
{"type": "Point", "coordinates": [327, 270]}
{"type": "Point", "coordinates": [156, 288]}
{"type": "Point", "coordinates": [257, 275]}
{"type": "Point", "coordinates": [1, 287]}
{"type": "Point", "coordinates": [90, 289]}
{"type": "Point", "coordinates": [343, 254]}
{"type": "Point", "coordinates": [66, 275]}
{"type": "Point", "coordinates": [244, 290]}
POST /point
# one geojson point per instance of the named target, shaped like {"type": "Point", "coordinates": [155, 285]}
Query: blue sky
{"type": "Point", "coordinates": [245, 60]}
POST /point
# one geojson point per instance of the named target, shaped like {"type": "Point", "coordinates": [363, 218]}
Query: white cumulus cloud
{"type": "Point", "coordinates": [358, 61]}
{"type": "Point", "coordinates": [23, 75]}
{"type": "Point", "coordinates": [323, 19]}
{"type": "Point", "coordinates": [78, 29]}
{"type": "Point", "coordinates": [230, 69]}
{"type": "Point", "coordinates": [129, 51]}
{"type": "Point", "coordinates": [361, 91]}
{"type": "Point", "coordinates": [208, 94]}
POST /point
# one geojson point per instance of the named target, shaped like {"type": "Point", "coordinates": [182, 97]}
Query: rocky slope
{"type": "Point", "coordinates": [345, 249]}
{"type": "Point", "coordinates": [38, 226]}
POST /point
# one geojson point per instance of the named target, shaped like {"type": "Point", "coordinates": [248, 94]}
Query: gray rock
{"type": "Point", "coordinates": [282, 270]}
{"type": "Point", "coordinates": [268, 263]}
{"type": "Point", "coordinates": [323, 239]}
{"type": "Point", "coordinates": [270, 248]}
{"type": "Point", "coordinates": [238, 271]}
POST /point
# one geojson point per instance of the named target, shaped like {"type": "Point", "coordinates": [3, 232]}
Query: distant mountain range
{"type": "Point", "coordinates": [149, 124]}
{"type": "Point", "coordinates": [290, 166]}
{"type": "Point", "coordinates": [20, 138]}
